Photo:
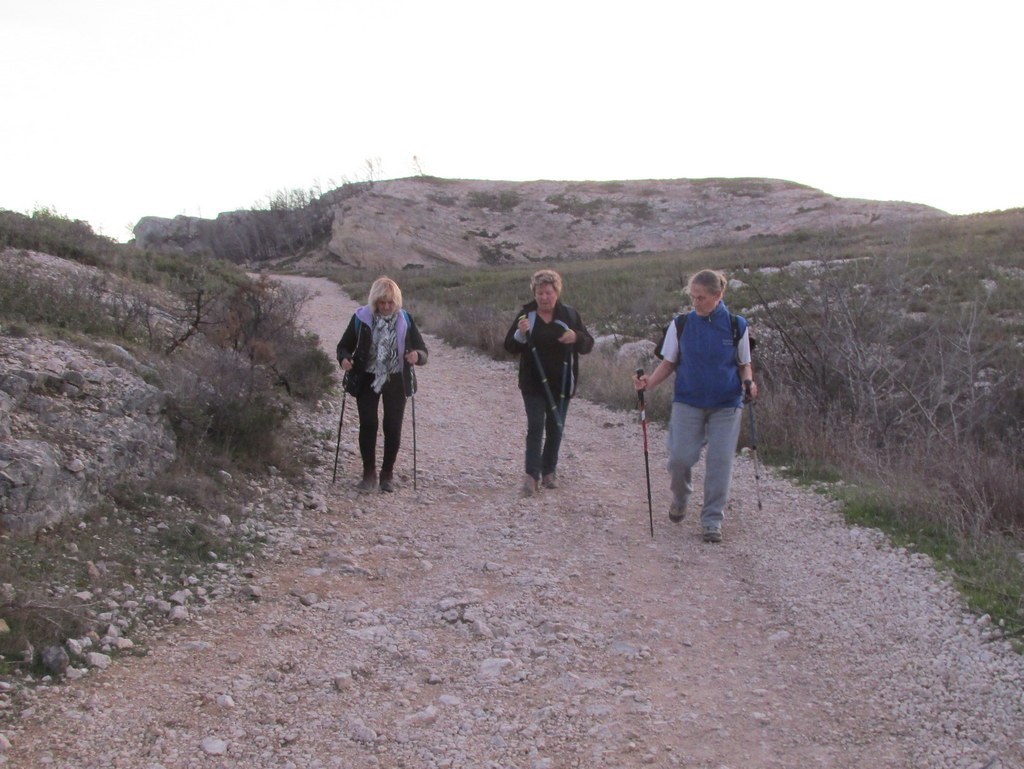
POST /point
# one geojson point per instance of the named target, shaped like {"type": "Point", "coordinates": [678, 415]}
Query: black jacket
{"type": "Point", "coordinates": [356, 343]}
{"type": "Point", "coordinates": [553, 354]}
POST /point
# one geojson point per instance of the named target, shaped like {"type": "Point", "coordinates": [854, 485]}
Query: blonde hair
{"type": "Point", "coordinates": [546, 277]}
{"type": "Point", "coordinates": [384, 289]}
{"type": "Point", "coordinates": [713, 280]}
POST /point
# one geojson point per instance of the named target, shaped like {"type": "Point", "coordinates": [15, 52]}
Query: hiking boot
{"type": "Point", "coordinates": [677, 512]}
{"type": "Point", "coordinates": [530, 486]}
{"type": "Point", "coordinates": [369, 482]}
{"type": "Point", "coordinates": [549, 481]}
{"type": "Point", "coordinates": [712, 534]}
{"type": "Point", "coordinates": [387, 482]}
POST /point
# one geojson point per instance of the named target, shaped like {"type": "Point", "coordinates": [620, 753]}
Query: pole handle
{"type": "Point", "coordinates": [640, 393]}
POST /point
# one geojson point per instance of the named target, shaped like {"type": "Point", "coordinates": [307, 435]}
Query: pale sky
{"type": "Point", "coordinates": [111, 110]}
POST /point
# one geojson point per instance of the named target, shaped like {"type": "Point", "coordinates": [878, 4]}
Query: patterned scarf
{"type": "Point", "coordinates": [384, 350]}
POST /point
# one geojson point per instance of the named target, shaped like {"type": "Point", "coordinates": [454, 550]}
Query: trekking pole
{"type": "Point", "coordinates": [565, 375]}
{"type": "Point", "coordinates": [337, 448]}
{"type": "Point", "coordinates": [752, 425]}
{"type": "Point", "coordinates": [413, 372]}
{"type": "Point", "coordinates": [552, 406]}
{"type": "Point", "coordinates": [565, 381]}
{"type": "Point", "coordinates": [647, 461]}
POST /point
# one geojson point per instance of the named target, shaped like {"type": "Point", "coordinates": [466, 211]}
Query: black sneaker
{"type": "Point", "coordinates": [387, 482]}
{"type": "Point", "coordinates": [677, 512]}
{"type": "Point", "coordinates": [712, 534]}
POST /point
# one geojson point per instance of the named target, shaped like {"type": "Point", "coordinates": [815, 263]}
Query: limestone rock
{"type": "Point", "coordinates": [45, 431]}
{"type": "Point", "coordinates": [424, 221]}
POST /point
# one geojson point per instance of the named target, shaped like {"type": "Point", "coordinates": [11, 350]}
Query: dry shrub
{"type": "Point", "coordinates": [222, 402]}
{"type": "Point", "coordinates": [907, 403]}
{"type": "Point", "coordinates": [606, 379]}
{"type": "Point", "coordinates": [35, 623]}
{"type": "Point", "coordinates": [964, 488]}
{"type": "Point", "coordinates": [785, 421]}
{"type": "Point", "coordinates": [260, 321]}
{"type": "Point", "coordinates": [958, 488]}
{"type": "Point", "coordinates": [479, 327]}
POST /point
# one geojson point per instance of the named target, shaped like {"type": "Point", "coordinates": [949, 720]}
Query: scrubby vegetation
{"type": "Point", "coordinates": [227, 348]}
{"type": "Point", "coordinates": [891, 360]}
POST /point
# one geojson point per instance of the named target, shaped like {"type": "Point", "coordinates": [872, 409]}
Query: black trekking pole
{"type": "Point", "coordinates": [752, 425]}
{"type": "Point", "coordinates": [552, 406]}
{"type": "Point", "coordinates": [565, 382]}
{"type": "Point", "coordinates": [413, 372]}
{"type": "Point", "coordinates": [565, 377]}
{"type": "Point", "coordinates": [337, 448]}
{"type": "Point", "coordinates": [647, 461]}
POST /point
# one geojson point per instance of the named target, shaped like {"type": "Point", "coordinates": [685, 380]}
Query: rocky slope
{"type": "Point", "coordinates": [426, 221]}
{"type": "Point", "coordinates": [76, 419]}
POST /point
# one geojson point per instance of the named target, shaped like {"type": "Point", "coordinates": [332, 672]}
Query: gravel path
{"type": "Point", "coordinates": [457, 625]}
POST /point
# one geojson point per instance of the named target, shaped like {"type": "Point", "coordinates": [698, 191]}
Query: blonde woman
{"type": "Point", "coordinates": [377, 352]}
{"type": "Point", "coordinates": [708, 351]}
{"type": "Point", "coordinates": [549, 337]}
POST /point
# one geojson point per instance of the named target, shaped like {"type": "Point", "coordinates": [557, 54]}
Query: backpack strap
{"type": "Point", "coordinates": [679, 321]}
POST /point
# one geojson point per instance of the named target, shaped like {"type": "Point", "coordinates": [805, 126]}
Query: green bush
{"type": "Point", "coordinates": [48, 232]}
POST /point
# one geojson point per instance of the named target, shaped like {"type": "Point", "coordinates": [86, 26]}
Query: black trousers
{"type": "Point", "coordinates": [393, 396]}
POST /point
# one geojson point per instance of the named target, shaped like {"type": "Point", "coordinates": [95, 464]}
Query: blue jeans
{"type": "Point", "coordinates": [689, 430]}
{"type": "Point", "coordinates": [543, 438]}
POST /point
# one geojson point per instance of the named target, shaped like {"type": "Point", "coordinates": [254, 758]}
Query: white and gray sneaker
{"type": "Point", "coordinates": [712, 534]}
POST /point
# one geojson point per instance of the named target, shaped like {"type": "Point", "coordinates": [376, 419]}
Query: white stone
{"type": "Point", "coordinates": [98, 660]}
{"type": "Point", "coordinates": [212, 746]}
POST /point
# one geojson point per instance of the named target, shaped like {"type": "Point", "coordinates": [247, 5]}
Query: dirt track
{"type": "Point", "coordinates": [457, 625]}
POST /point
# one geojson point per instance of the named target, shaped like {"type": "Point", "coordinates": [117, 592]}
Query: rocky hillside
{"type": "Point", "coordinates": [76, 418]}
{"type": "Point", "coordinates": [425, 221]}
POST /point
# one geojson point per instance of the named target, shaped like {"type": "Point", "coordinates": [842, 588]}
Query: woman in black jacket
{"type": "Point", "coordinates": [377, 353]}
{"type": "Point", "coordinates": [549, 337]}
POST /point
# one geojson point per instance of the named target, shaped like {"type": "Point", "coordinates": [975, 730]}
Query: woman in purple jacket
{"type": "Point", "coordinates": [377, 353]}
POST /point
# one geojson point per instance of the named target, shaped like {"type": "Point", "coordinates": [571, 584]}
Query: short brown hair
{"type": "Point", "coordinates": [546, 277]}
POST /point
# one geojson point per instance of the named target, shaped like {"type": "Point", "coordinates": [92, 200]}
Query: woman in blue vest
{"type": "Point", "coordinates": [377, 353]}
{"type": "Point", "coordinates": [548, 337]}
{"type": "Point", "coordinates": [709, 353]}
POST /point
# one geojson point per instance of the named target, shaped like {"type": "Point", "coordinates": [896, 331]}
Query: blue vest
{"type": "Point", "coordinates": [706, 374]}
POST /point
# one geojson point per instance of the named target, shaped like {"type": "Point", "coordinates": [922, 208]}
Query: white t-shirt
{"type": "Point", "coordinates": [670, 348]}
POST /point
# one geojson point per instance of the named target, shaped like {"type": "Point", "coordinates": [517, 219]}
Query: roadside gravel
{"type": "Point", "coordinates": [457, 625]}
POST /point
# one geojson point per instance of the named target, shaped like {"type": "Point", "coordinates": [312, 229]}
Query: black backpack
{"type": "Point", "coordinates": [679, 321]}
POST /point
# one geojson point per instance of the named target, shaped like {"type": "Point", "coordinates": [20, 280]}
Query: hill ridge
{"type": "Point", "coordinates": [420, 221]}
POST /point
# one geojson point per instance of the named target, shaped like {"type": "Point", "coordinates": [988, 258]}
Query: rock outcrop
{"type": "Point", "coordinates": [73, 424]}
{"type": "Point", "coordinates": [425, 221]}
